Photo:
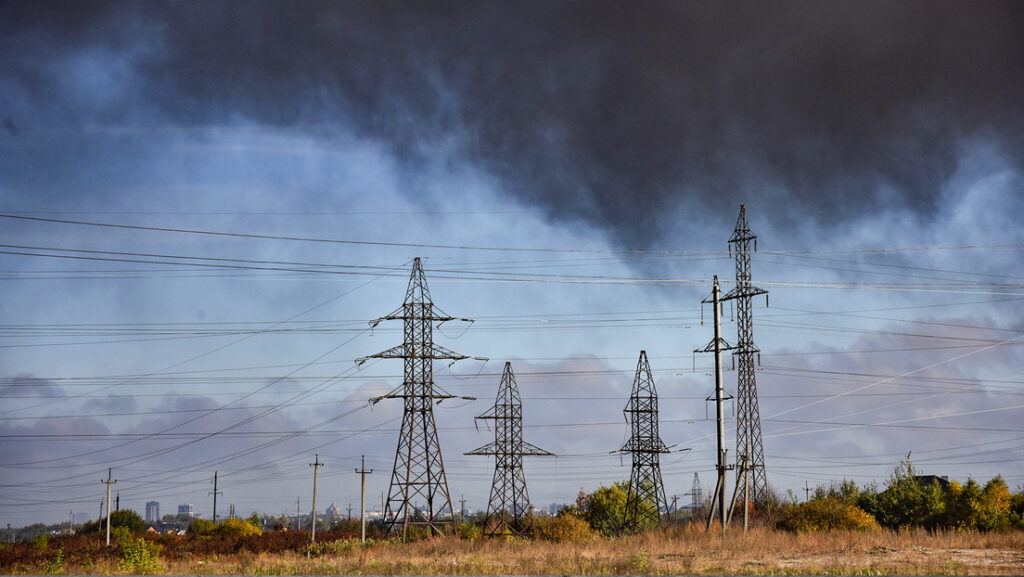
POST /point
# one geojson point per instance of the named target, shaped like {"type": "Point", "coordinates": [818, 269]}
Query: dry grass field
{"type": "Point", "coordinates": [680, 550]}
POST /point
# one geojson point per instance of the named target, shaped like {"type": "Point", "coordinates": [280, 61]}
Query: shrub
{"type": "Point", "coordinates": [137, 554]}
{"type": "Point", "coordinates": [124, 518]}
{"type": "Point", "coordinates": [564, 528]}
{"type": "Point", "coordinates": [826, 515]}
{"type": "Point", "coordinates": [469, 531]}
{"type": "Point", "coordinates": [55, 566]}
{"type": "Point", "coordinates": [242, 527]}
{"type": "Point", "coordinates": [200, 527]}
{"type": "Point", "coordinates": [41, 542]}
{"type": "Point", "coordinates": [605, 509]}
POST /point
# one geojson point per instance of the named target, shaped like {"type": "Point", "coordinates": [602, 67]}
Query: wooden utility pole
{"type": "Point", "coordinates": [108, 482]}
{"type": "Point", "coordinates": [362, 498]}
{"type": "Point", "coordinates": [316, 467]}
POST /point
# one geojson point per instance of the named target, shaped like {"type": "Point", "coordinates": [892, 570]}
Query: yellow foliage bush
{"type": "Point", "coordinates": [564, 528]}
{"type": "Point", "coordinates": [825, 515]}
{"type": "Point", "coordinates": [238, 527]}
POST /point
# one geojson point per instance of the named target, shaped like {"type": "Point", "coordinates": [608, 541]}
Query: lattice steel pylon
{"type": "Point", "coordinates": [748, 418]}
{"type": "Point", "coordinates": [696, 493]}
{"type": "Point", "coordinates": [508, 510]}
{"type": "Point", "coordinates": [645, 498]}
{"type": "Point", "coordinates": [419, 468]}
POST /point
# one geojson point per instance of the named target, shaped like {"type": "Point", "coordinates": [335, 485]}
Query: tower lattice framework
{"type": "Point", "coordinates": [508, 510]}
{"type": "Point", "coordinates": [696, 493]}
{"type": "Point", "coordinates": [748, 416]}
{"type": "Point", "coordinates": [645, 497]}
{"type": "Point", "coordinates": [418, 494]}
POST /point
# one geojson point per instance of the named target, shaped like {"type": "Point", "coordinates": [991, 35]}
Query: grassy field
{"type": "Point", "coordinates": [679, 550]}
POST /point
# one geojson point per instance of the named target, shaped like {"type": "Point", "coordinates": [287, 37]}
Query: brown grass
{"type": "Point", "coordinates": [681, 550]}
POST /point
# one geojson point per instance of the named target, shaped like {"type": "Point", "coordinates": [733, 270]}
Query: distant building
{"type": "Point", "coordinates": [333, 512]}
{"type": "Point", "coordinates": [189, 510]}
{"type": "Point", "coordinates": [152, 512]}
{"type": "Point", "coordinates": [929, 480]}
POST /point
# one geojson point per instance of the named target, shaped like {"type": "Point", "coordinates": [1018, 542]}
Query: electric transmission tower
{"type": "Point", "coordinates": [696, 493]}
{"type": "Point", "coordinates": [749, 450]}
{"type": "Point", "coordinates": [645, 497]}
{"type": "Point", "coordinates": [508, 511]}
{"type": "Point", "coordinates": [419, 468]}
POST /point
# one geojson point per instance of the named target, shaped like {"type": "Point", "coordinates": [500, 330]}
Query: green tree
{"type": "Point", "coordinates": [605, 508]}
{"type": "Point", "coordinates": [962, 505]}
{"type": "Point", "coordinates": [200, 527]}
{"type": "Point", "coordinates": [124, 518]}
{"type": "Point", "coordinates": [906, 501]}
{"type": "Point", "coordinates": [994, 505]}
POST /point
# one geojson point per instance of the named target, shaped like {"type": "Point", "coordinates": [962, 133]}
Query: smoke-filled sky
{"type": "Point", "coordinates": [203, 205]}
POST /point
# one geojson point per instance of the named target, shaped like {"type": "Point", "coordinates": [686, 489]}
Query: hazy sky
{"type": "Point", "coordinates": [570, 173]}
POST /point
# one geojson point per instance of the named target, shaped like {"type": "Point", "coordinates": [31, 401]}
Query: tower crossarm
{"type": "Point", "coordinates": [745, 291]}
{"type": "Point", "coordinates": [499, 448]}
{"type": "Point", "coordinates": [435, 352]}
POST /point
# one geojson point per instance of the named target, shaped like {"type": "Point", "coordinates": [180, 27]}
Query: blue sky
{"type": "Point", "coordinates": [570, 174]}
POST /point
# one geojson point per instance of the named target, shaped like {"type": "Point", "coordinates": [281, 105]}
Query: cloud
{"type": "Point", "coordinates": [590, 110]}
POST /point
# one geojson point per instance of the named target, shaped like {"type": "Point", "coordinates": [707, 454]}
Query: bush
{"type": "Point", "coordinates": [826, 515]}
{"type": "Point", "coordinates": [200, 527]}
{"type": "Point", "coordinates": [469, 531]}
{"type": "Point", "coordinates": [242, 527]}
{"type": "Point", "coordinates": [138, 555]}
{"type": "Point", "coordinates": [605, 509]}
{"type": "Point", "coordinates": [125, 518]}
{"type": "Point", "coordinates": [41, 542]}
{"type": "Point", "coordinates": [563, 529]}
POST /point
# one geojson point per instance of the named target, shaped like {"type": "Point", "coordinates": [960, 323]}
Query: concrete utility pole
{"type": "Point", "coordinates": [108, 482]}
{"type": "Point", "coordinates": [215, 492]}
{"type": "Point", "coordinates": [362, 498]}
{"type": "Point", "coordinates": [349, 518]}
{"type": "Point", "coordinates": [717, 345]}
{"type": "Point", "coordinates": [807, 491]}
{"type": "Point", "coordinates": [117, 502]}
{"type": "Point", "coordinates": [462, 507]}
{"type": "Point", "coordinates": [298, 514]}
{"type": "Point", "coordinates": [316, 467]}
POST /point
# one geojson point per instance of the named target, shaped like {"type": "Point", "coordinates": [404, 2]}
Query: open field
{"type": "Point", "coordinates": [681, 550]}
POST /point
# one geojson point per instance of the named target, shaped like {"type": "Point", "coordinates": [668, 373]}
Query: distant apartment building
{"type": "Point", "coordinates": [152, 512]}
{"type": "Point", "coordinates": [189, 510]}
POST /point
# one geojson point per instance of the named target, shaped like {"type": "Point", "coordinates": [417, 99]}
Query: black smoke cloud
{"type": "Point", "coordinates": [604, 111]}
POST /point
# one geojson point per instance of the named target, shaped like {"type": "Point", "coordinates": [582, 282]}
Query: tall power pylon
{"type": "Point", "coordinates": [419, 467]}
{"type": "Point", "coordinates": [696, 493]}
{"type": "Point", "coordinates": [645, 497]}
{"type": "Point", "coordinates": [749, 449]}
{"type": "Point", "coordinates": [508, 511]}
